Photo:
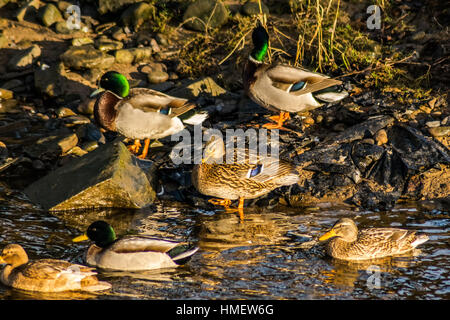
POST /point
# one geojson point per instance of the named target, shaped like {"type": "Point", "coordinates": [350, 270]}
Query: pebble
{"type": "Point", "coordinates": [368, 141]}
{"type": "Point", "coordinates": [77, 151]}
{"type": "Point", "coordinates": [64, 112]}
{"type": "Point", "coordinates": [76, 42]}
{"type": "Point", "coordinates": [161, 39]}
{"type": "Point", "coordinates": [308, 120]}
{"type": "Point", "coordinates": [6, 94]}
{"type": "Point", "coordinates": [89, 146]}
{"type": "Point", "coordinates": [74, 120]}
{"type": "Point", "coordinates": [103, 44]}
{"type": "Point", "coordinates": [439, 131]}
{"type": "Point", "coordinates": [319, 118]}
{"type": "Point", "coordinates": [381, 137]}
{"type": "Point", "coordinates": [157, 77]}
{"type": "Point", "coordinates": [433, 124]}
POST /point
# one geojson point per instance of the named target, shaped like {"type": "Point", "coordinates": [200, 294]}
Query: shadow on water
{"type": "Point", "coordinates": [274, 254]}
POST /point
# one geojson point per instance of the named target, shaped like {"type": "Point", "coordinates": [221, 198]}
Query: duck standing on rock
{"type": "Point", "coordinates": [132, 253]}
{"type": "Point", "coordinates": [141, 113]}
{"type": "Point", "coordinates": [283, 88]}
{"type": "Point", "coordinates": [347, 243]}
{"type": "Point", "coordinates": [240, 179]}
{"type": "Point", "coordinates": [46, 275]}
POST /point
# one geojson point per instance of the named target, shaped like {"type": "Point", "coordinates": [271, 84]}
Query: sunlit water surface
{"type": "Point", "coordinates": [274, 254]}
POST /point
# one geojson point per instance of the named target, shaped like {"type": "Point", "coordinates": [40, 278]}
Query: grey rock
{"type": "Point", "coordinates": [137, 14]}
{"type": "Point", "coordinates": [105, 6]}
{"type": "Point", "coordinates": [157, 77]}
{"type": "Point", "coordinates": [49, 14]}
{"type": "Point", "coordinates": [25, 58]}
{"type": "Point", "coordinates": [133, 55]}
{"type": "Point", "coordinates": [76, 42]}
{"type": "Point", "coordinates": [251, 8]}
{"type": "Point", "coordinates": [86, 56]}
{"type": "Point", "coordinates": [103, 44]}
{"type": "Point", "coordinates": [203, 10]}
{"type": "Point", "coordinates": [108, 177]}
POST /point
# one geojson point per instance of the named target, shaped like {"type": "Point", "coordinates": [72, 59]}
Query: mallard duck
{"type": "Point", "coordinates": [283, 88]}
{"type": "Point", "coordinates": [348, 243]}
{"type": "Point", "coordinates": [132, 253]}
{"type": "Point", "coordinates": [46, 275]}
{"type": "Point", "coordinates": [141, 113]}
{"type": "Point", "coordinates": [240, 179]}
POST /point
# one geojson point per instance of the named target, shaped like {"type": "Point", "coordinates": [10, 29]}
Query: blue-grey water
{"type": "Point", "coordinates": [274, 254]}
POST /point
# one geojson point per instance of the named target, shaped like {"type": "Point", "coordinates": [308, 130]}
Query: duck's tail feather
{"type": "Point", "coordinates": [420, 238]}
{"type": "Point", "coordinates": [182, 253]}
{"type": "Point", "coordinates": [194, 118]}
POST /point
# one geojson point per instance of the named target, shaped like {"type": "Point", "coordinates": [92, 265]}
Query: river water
{"type": "Point", "coordinates": [274, 254]}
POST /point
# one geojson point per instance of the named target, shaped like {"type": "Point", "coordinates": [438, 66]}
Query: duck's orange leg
{"type": "Point", "coordinates": [241, 209]}
{"type": "Point", "coordinates": [280, 119]}
{"type": "Point", "coordinates": [221, 202]}
{"type": "Point", "coordinates": [134, 148]}
{"type": "Point", "coordinates": [145, 150]}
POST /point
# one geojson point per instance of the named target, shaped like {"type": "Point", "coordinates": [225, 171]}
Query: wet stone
{"type": "Point", "coordinates": [73, 120]}
{"type": "Point", "coordinates": [64, 112]}
{"type": "Point", "coordinates": [108, 177]}
{"type": "Point", "coordinates": [108, 45]}
{"type": "Point", "coordinates": [433, 124]}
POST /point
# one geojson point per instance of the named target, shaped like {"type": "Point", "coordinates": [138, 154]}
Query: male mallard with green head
{"type": "Point", "coordinates": [132, 253]}
{"type": "Point", "coordinates": [283, 88]}
{"type": "Point", "coordinates": [347, 243]}
{"type": "Point", "coordinates": [242, 178]}
{"type": "Point", "coordinates": [46, 275]}
{"type": "Point", "coordinates": [141, 113]}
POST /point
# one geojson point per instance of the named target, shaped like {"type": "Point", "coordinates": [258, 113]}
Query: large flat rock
{"type": "Point", "coordinates": [108, 177]}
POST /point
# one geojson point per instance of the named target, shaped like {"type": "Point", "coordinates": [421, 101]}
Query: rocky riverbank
{"type": "Point", "coordinates": [387, 142]}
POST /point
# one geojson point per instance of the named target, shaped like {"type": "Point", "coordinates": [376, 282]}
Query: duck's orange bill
{"type": "Point", "coordinates": [2, 261]}
{"type": "Point", "coordinates": [328, 235]}
{"type": "Point", "coordinates": [83, 237]}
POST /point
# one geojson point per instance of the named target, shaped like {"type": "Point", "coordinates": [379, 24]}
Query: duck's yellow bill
{"type": "Point", "coordinates": [83, 237]}
{"type": "Point", "coordinates": [2, 261]}
{"type": "Point", "coordinates": [328, 235]}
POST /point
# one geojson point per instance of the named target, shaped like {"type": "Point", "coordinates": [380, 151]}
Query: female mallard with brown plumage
{"type": "Point", "coordinates": [46, 275]}
{"type": "Point", "coordinates": [239, 179]}
{"type": "Point", "coordinates": [141, 113]}
{"type": "Point", "coordinates": [284, 88]}
{"type": "Point", "coordinates": [347, 243]}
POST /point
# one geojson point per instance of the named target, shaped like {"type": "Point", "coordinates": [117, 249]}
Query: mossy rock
{"type": "Point", "coordinates": [108, 177]}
